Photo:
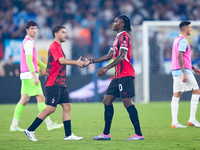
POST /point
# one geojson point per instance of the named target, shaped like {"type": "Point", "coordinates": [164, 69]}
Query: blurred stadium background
{"type": "Point", "coordinates": [88, 25]}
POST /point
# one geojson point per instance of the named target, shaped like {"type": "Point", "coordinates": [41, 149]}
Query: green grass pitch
{"type": "Point", "coordinates": [87, 121]}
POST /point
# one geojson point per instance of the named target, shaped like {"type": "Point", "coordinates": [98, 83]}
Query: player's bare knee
{"type": "Point", "coordinates": [196, 91]}
{"type": "Point", "coordinates": [106, 102]}
{"type": "Point", "coordinates": [177, 94]}
{"type": "Point", "coordinates": [127, 103]}
{"type": "Point", "coordinates": [40, 98]}
{"type": "Point", "coordinates": [24, 101]}
{"type": "Point", "coordinates": [69, 106]}
{"type": "Point", "coordinates": [52, 110]}
{"type": "Point", "coordinates": [43, 99]}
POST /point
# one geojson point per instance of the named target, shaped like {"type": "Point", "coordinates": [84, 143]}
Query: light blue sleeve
{"type": "Point", "coordinates": [182, 46]}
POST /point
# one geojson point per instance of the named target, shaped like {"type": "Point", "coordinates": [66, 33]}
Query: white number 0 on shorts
{"type": "Point", "coordinates": [120, 87]}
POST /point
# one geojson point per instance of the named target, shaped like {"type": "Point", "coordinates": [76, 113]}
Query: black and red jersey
{"type": "Point", "coordinates": [55, 72]}
{"type": "Point", "coordinates": [124, 68]}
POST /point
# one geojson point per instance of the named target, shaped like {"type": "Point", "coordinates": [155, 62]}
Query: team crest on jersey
{"type": "Point", "coordinates": [53, 100]}
{"type": "Point", "coordinates": [184, 45]}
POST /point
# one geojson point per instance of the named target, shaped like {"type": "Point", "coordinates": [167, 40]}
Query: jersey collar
{"type": "Point", "coordinates": [29, 37]}
{"type": "Point", "coordinates": [181, 35]}
{"type": "Point", "coordinates": [56, 43]}
{"type": "Point", "coordinates": [120, 33]}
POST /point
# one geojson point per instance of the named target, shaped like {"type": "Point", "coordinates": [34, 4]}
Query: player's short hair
{"type": "Point", "coordinates": [56, 29]}
{"type": "Point", "coordinates": [30, 23]}
{"type": "Point", "coordinates": [184, 23]}
{"type": "Point", "coordinates": [127, 23]}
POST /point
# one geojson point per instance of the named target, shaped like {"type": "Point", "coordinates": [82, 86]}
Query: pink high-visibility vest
{"type": "Point", "coordinates": [186, 56]}
{"type": "Point", "coordinates": [23, 63]}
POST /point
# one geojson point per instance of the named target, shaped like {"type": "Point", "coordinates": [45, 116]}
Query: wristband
{"type": "Point", "coordinates": [91, 61]}
{"type": "Point", "coordinates": [192, 67]}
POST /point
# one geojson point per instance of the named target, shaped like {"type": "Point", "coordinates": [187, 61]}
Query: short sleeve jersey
{"type": "Point", "coordinates": [182, 46]}
{"type": "Point", "coordinates": [124, 68]}
{"type": "Point", "coordinates": [55, 72]}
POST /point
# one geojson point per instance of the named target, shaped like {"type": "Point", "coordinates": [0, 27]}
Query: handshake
{"type": "Point", "coordinates": [82, 64]}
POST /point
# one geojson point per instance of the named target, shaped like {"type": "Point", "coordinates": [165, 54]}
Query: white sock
{"type": "Point", "coordinates": [48, 121]}
{"type": "Point", "coordinates": [193, 106]}
{"type": "Point", "coordinates": [15, 122]}
{"type": "Point", "coordinates": [174, 109]}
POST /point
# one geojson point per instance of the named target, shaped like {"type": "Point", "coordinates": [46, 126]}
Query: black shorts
{"type": "Point", "coordinates": [56, 95]}
{"type": "Point", "coordinates": [123, 87]}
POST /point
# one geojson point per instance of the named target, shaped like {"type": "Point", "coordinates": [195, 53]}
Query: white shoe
{"type": "Point", "coordinates": [178, 125]}
{"type": "Point", "coordinates": [194, 123]}
{"type": "Point", "coordinates": [31, 135]}
{"type": "Point", "coordinates": [73, 137]}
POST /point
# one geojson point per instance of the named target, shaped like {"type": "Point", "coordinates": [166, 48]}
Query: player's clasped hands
{"type": "Point", "coordinates": [100, 71]}
{"type": "Point", "coordinates": [79, 62]}
{"type": "Point", "coordinates": [84, 63]}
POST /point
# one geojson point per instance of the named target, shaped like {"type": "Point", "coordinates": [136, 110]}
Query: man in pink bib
{"type": "Point", "coordinates": [183, 78]}
{"type": "Point", "coordinates": [30, 84]}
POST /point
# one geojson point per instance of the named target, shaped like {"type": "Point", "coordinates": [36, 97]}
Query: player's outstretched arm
{"type": "Point", "coordinates": [65, 61]}
{"type": "Point", "coordinates": [196, 70]}
{"type": "Point", "coordinates": [104, 58]}
{"type": "Point", "coordinates": [97, 60]}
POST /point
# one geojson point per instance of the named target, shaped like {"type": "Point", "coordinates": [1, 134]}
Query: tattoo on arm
{"type": "Point", "coordinates": [180, 60]}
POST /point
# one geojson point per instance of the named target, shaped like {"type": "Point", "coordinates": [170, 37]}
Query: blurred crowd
{"type": "Point", "coordinates": [79, 18]}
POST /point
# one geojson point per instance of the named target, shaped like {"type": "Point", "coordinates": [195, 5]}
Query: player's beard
{"type": "Point", "coordinates": [62, 39]}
